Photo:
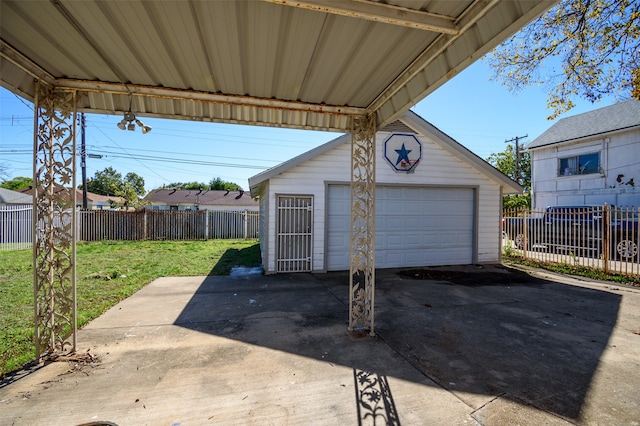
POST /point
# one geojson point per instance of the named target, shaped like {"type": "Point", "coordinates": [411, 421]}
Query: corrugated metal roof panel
{"type": "Point", "coordinates": [258, 50]}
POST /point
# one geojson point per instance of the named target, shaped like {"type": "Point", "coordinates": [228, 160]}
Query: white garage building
{"type": "Point", "coordinates": [437, 203]}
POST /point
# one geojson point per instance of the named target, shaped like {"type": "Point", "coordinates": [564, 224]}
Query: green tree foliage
{"type": "Point", "coordinates": [131, 198]}
{"type": "Point", "coordinates": [111, 182]}
{"type": "Point", "coordinates": [195, 186]}
{"type": "Point", "coordinates": [214, 184]}
{"type": "Point", "coordinates": [186, 185]}
{"type": "Point", "coordinates": [219, 184]}
{"type": "Point", "coordinates": [105, 182]}
{"type": "Point", "coordinates": [578, 48]}
{"type": "Point", "coordinates": [135, 182]}
{"type": "Point", "coordinates": [505, 161]}
{"type": "Point", "coordinates": [17, 183]}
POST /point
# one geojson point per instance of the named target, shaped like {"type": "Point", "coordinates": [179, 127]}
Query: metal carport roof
{"type": "Point", "coordinates": [320, 64]}
{"type": "Point", "coordinates": [299, 64]}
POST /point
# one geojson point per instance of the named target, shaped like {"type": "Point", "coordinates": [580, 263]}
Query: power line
{"type": "Point", "coordinates": [111, 154]}
{"type": "Point", "coordinates": [139, 162]}
{"type": "Point", "coordinates": [105, 150]}
{"type": "Point", "coordinates": [185, 161]}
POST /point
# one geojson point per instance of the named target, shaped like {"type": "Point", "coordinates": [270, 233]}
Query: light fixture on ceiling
{"type": "Point", "coordinates": [145, 129]}
{"type": "Point", "coordinates": [129, 123]}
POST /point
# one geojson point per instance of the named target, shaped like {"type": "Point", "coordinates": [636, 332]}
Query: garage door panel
{"type": "Point", "coordinates": [414, 208]}
{"type": "Point", "coordinates": [394, 222]}
{"type": "Point", "coordinates": [430, 222]}
{"type": "Point", "coordinates": [385, 258]}
{"type": "Point", "coordinates": [415, 223]}
{"type": "Point", "coordinates": [415, 226]}
{"type": "Point", "coordinates": [448, 224]}
{"type": "Point", "coordinates": [414, 258]}
{"type": "Point", "coordinates": [394, 242]}
{"type": "Point", "coordinates": [415, 241]}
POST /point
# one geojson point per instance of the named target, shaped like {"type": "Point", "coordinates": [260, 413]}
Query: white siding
{"type": "Point", "coordinates": [619, 156]}
{"type": "Point", "coordinates": [439, 167]}
{"type": "Point", "coordinates": [263, 221]}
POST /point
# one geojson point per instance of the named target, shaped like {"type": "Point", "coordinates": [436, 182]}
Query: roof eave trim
{"type": "Point", "coordinates": [25, 64]}
{"type": "Point", "coordinates": [422, 126]}
{"type": "Point", "coordinates": [295, 161]}
{"type": "Point", "coordinates": [195, 95]}
{"type": "Point", "coordinates": [393, 101]}
{"type": "Point", "coordinates": [470, 17]}
{"type": "Point", "coordinates": [583, 138]}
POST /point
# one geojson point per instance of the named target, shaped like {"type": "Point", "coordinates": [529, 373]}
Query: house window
{"type": "Point", "coordinates": [579, 164]}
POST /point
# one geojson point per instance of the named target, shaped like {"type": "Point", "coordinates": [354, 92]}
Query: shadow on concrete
{"type": "Point", "coordinates": [482, 334]}
{"type": "Point", "coordinates": [374, 399]}
{"type": "Point", "coordinates": [244, 257]}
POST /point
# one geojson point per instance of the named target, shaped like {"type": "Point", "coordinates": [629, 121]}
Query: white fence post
{"type": "Point", "coordinates": [206, 226]}
{"type": "Point", "coordinates": [245, 218]}
{"type": "Point", "coordinates": [144, 225]}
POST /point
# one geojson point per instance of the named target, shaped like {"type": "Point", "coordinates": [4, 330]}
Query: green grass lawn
{"type": "Point", "coordinates": [106, 273]}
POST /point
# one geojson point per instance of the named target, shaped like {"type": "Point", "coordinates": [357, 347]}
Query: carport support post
{"type": "Point", "coordinates": [54, 220]}
{"type": "Point", "coordinates": [363, 227]}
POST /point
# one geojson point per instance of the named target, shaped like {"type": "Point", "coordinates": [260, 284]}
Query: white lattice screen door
{"type": "Point", "coordinates": [294, 239]}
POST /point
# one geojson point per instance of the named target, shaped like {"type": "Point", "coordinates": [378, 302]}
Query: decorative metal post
{"type": "Point", "coordinates": [54, 221]}
{"type": "Point", "coordinates": [363, 227]}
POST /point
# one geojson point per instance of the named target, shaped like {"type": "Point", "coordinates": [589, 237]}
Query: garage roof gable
{"type": "Point", "coordinates": [409, 121]}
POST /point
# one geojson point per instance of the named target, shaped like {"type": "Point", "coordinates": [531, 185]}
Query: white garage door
{"type": "Point", "coordinates": [414, 227]}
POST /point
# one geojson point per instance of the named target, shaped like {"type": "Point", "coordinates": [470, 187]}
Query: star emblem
{"type": "Point", "coordinates": [403, 154]}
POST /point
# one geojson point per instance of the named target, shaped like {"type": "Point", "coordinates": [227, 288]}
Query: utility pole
{"type": "Point", "coordinates": [83, 162]}
{"type": "Point", "coordinates": [517, 140]}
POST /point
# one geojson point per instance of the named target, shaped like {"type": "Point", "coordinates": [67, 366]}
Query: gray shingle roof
{"type": "Point", "coordinates": [91, 197]}
{"type": "Point", "coordinates": [622, 115]}
{"type": "Point", "coordinates": [202, 197]}
{"type": "Point", "coordinates": [8, 196]}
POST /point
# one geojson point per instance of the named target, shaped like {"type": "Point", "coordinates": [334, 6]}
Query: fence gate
{"type": "Point", "coordinates": [293, 243]}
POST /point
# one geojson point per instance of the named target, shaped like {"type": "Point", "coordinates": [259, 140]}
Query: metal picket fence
{"type": "Point", "coordinates": [604, 237]}
{"type": "Point", "coordinates": [96, 225]}
{"type": "Point", "coordinates": [15, 227]}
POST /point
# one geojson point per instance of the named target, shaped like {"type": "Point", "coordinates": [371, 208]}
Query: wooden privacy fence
{"type": "Point", "coordinates": [604, 237]}
{"type": "Point", "coordinates": [167, 225]}
{"type": "Point", "coordinates": [95, 225]}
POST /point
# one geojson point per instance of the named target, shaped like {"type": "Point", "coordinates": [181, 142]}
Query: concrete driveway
{"type": "Point", "coordinates": [454, 346]}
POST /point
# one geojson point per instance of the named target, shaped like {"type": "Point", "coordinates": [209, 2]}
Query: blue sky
{"type": "Point", "coordinates": [478, 113]}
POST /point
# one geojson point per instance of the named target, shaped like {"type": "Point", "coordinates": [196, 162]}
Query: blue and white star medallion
{"type": "Point", "coordinates": [403, 152]}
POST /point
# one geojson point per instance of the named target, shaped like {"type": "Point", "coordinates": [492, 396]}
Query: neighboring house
{"type": "Point", "coordinates": [9, 197]}
{"type": "Point", "coordinates": [181, 199]}
{"type": "Point", "coordinates": [437, 203]}
{"type": "Point", "coordinates": [94, 201]}
{"type": "Point", "coordinates": [589, 159]}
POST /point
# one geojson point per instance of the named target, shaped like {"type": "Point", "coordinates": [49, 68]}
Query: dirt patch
{"type": "Point", "coordinates": [472, 276]}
